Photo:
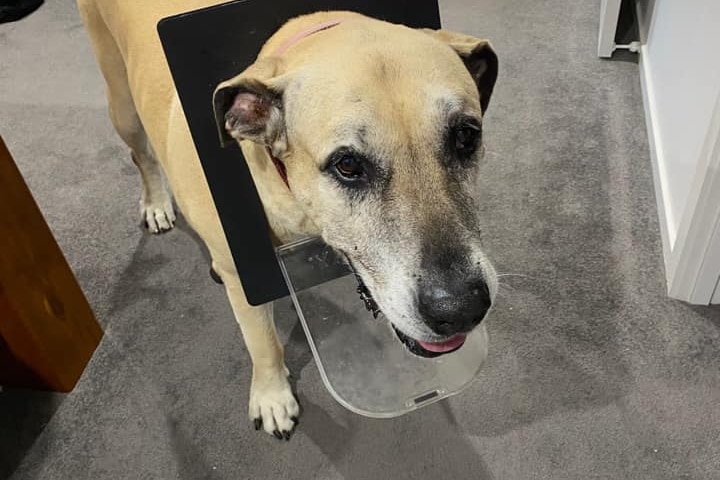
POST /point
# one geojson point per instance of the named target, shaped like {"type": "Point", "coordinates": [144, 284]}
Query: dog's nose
{"type": "Point", "coordinates": [455, 307]}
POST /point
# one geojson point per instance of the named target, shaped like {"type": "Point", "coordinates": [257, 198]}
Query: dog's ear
{"type": "Point", "coordinates": [479, 58]}
{"type": "Point", "coordinates": [249, 106]}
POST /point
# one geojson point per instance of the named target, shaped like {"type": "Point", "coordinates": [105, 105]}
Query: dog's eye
{"type": "Point", "coordinates": [350, 167]}
{"type": "Point", "coordinates": [466, 139]}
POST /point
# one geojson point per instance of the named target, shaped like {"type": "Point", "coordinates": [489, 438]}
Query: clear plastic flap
{"type": "Point", "coordinates": [362, 363]}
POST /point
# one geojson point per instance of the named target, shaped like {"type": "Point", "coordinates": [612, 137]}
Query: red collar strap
{"type": "Point", "coordinates": [279, 166]}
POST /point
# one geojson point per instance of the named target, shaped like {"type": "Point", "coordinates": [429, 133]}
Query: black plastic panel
{"type": "Point", "coordinates": [207, 46]}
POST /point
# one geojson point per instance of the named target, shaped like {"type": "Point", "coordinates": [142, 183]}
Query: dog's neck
{"type": "Point", "coordinates": [279, 165]}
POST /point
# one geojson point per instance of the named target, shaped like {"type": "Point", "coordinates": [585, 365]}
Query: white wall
{"type": "Point", "coordinates": [681, 68]}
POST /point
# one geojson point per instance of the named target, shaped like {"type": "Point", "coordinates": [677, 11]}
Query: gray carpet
{"type": "Point", "coordinates": [593, 372]}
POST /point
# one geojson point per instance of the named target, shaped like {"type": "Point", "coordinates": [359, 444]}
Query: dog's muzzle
{"type": "Point", "coordinates": [424, 348]}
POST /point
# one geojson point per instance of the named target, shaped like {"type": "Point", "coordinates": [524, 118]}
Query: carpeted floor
{"type": "Point", "coordinates": [593, 372]}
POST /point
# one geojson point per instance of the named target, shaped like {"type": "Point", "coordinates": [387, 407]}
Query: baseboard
{"type": "Point", "coordinates": [668, 230]}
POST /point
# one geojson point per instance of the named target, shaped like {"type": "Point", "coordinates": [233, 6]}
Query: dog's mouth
{"type": "Point", "coordinates": [430, 349]}
{"type": "Point", "coordinates": [417, 347]}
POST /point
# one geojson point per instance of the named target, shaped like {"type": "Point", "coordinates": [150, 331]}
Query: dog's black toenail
{"type": "Point", "coordinates": [278, 435]}
{"type": "Point", "coordinates": [214, 275]}
{"type": "Point", "coordinates": [286, 434]}
{"type": "Point", "coordinates": [258, 423]}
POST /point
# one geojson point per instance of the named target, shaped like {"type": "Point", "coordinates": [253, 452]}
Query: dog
{"type": "Point", "coordinates": [366, 133]}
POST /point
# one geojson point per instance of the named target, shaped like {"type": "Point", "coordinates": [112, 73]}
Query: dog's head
{"type": "Point", "coordinates": [379, 127]}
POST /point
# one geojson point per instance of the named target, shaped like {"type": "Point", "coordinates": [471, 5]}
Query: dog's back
{"type": "Point", "coordinates": [127, 46]}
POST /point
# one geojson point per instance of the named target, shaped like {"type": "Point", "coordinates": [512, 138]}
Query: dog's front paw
{"type": "Point", "coordinates": [273, 405]}
{"type": "Point", "coordinates": [158, 216]}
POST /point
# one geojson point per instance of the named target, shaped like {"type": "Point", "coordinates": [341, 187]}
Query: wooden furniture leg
{"type": "Point", "coordinates": [47, 331]}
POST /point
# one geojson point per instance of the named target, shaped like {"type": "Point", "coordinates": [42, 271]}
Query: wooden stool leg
{"type": "Point", "coordinates": [47, 331]}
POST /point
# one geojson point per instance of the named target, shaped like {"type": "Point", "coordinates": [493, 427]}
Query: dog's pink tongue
{"type": "Point", "coordinates": [444, 346]}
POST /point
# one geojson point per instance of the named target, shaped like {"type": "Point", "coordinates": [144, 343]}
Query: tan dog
{"type": "Point", "coordinates": [378, 129]}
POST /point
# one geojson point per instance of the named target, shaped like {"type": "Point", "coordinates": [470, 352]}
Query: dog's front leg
{"type": "Point", "coordinates": [272, 403]}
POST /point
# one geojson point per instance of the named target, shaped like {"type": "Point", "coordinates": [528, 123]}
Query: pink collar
{"type": "Point", "coordinates": [306, 33]}
{"type": "Point", "coordinates": [279, 166]}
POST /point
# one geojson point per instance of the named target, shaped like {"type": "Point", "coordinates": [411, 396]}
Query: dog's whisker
{"type": "Point", "coordinates": [506, 292]}
{"type": "Point", "coordinates": [502, 294]}
{"type": "Point", "coordinates": [507, 287]}
{"type": "Point", "coordinates": [521, 275]}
